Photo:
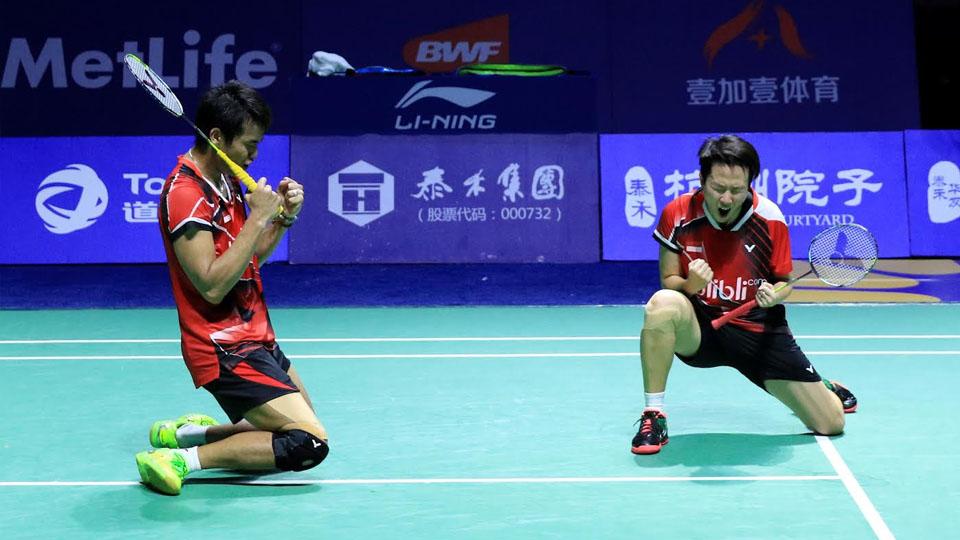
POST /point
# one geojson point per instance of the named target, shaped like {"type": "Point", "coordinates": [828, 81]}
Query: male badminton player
{"type": "Point", "coordinates": [737, 242]}
{"type": "Point", "coordinates": [214, 247]}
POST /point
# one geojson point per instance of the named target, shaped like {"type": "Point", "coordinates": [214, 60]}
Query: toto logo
{"type": "Point", "coordinates": [71, 199]}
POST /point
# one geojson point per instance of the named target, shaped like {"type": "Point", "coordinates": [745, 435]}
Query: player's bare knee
{"type": "Point", "coordinates": [831, 425]}
{"type": "Point", "coordinates": [311, 428]}
{"type": "Point", "coordinates": [298, 449]}
{"type": "Point", "coordinates": [665, 307]}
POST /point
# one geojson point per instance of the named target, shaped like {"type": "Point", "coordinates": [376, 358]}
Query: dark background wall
{"type": "Point", "coordinates": [937, 24]}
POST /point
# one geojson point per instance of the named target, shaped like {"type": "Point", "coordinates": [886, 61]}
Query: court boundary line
{"type": "Point", "coordinates": [439, 356]}
{"type": "Point", "coordinates": [867, 509]}
{"type": "Point", "coordinates": [426, 481]}
{"type": "Point", "coordinates": [446, 339]}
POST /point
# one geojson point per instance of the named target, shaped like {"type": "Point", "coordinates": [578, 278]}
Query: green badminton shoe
{"type": "Point", "coordinates": [163, 433]}
{"type": "Point", "coordinates": [163, 470]}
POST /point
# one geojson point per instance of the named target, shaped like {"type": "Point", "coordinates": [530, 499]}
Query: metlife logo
{"type": "Point", "coordinates": [462, 97]}
{"type": "Point", "coordinates": [203, 61]}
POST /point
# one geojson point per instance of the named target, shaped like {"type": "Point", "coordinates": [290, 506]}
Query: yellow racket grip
{"type": "Point", "coordinates": [236, 170]}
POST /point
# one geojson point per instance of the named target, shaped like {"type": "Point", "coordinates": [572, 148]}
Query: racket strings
{"type": "Point", "coordinates": [842, 256]}
{"type": "Point", "coordinates": [154, 85]}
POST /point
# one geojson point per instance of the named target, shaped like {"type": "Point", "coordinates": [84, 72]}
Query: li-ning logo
{"type": "Point", "coordinates": [747, 20]}
{"type": "Point", "coordinates": [457, 95]}
{"type": "Point", "coordinates": [89, 205]}
{"type": "Point", "coordinates": [464, 97]}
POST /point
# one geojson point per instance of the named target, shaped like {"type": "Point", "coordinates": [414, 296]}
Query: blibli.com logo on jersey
{"type": "Point", "coordinates": [737, 291]}
{"type": "Point", "coordinates": [71, 199]}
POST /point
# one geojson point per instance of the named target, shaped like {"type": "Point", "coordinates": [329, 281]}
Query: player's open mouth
{"type": "Point", "coordinates": [723, 211]}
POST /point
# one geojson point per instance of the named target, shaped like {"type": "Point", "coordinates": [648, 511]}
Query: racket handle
{"type": "Point", "coordinates": [732, 314]}
{"type": "Point", "coordinates": [236, 170]}
{"type": "Point", "coordinates": [743, 308]}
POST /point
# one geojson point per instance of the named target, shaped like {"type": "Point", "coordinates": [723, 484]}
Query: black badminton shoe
{"type": "Point", "coordinates": [652, 434]}
{"type": "Point", "coordinates": [847, 398]}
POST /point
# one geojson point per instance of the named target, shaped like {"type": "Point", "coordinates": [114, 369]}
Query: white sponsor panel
{"type": "Point", "coordinates": [77, 184]}
{"type": "Point", "coordinates": [360, 193]}
{"type": "Point", "coordinates": [943, 192]}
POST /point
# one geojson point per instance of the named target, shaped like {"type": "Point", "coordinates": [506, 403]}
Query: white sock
{"type": "Point", "coordinates": [654, 400]}
{"type": "Point", "coordinates": [191, 435]}
{"type": "Point", "coordinates": [192, 456]}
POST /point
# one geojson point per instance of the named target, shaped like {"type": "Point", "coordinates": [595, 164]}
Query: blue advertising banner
{"type": "Point", "coordinates": [63, 71]}
{"type": "Point", "coordinates": [933, 185]}
{"type": "Point", "coordinates": [94, 199]}
{"type": "Point", "coordinates": [817, 180]}
{"type": "Point", "coordinates": [465, 198]}
{"type": "Point", "coordinates": [753, 65]}
{"type": "Point", "coordinates": [445, 105]}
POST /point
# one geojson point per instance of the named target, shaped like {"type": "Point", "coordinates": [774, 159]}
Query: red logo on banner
{"type": "Point", "coordinates": [483, 41]}
{"type": "Point", "coordinates": [744, 21]}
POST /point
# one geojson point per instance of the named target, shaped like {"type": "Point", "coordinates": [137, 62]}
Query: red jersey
{"type": "Point", "coordinates": [189, 201]}
{"type": "Point", "coordinates": [754, 249]}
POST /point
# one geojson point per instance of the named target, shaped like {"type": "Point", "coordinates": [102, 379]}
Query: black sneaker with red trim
{"type": "Point", "coordinates": [847, 398]}
{"type": "Point", "coordinates": [652, 433]}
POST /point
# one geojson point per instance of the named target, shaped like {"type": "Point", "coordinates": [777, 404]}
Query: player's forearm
{"type": "Point", "coordinates": [269, 240]}
{"type": "Point", "coordinates": [225, 270]}
{"type": "Point", "coordinates": [679, 284]}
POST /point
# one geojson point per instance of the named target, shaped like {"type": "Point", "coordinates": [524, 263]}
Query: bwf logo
{"type": "Point", "coordinates": [71, 199]}
{"type": "Point", "coordinates": [486, 40]}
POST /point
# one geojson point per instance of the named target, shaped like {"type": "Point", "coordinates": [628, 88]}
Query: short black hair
{"type": "Point", "coordinates": [228, 107]}
{"type": "Point", "coordinates": [730, 150]}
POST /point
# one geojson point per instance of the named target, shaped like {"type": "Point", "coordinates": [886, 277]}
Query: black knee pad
{"type": "Point", "coordinates": [298, 450]}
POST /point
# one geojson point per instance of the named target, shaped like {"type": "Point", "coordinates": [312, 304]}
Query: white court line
{"type": "Point", "coordinates": [461, 355]}
{"type": "Point", "coordinates": [409, 481]}
{"type": "Point", "coordinates": [853, 487]}
{"type": "Point", "coordinates": [339, 356]}
{"type": "Point", "coordinates": [453, 339]}
{"type": "Point", "coordinates": [338, 340]}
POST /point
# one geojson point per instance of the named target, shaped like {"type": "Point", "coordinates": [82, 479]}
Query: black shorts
{"type": "Point", "coordinates": [251, 374]}
{"type": "Point", "coordinates": [758, 356]}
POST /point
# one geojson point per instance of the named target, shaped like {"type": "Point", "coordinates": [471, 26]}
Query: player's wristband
{"type": "Point", "coordinates": [285, 221]}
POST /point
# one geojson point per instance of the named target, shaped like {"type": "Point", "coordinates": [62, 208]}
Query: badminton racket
{"type": "Point", "coordinates": [158, 89]}
{"type": "Point", "coordinates": [839, 256]}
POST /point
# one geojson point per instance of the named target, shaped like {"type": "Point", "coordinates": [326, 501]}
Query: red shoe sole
{"type": "Point", "coordinates": [851, 409]}
{"type": "Point", "coordinates": [647, 450]}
